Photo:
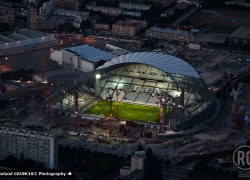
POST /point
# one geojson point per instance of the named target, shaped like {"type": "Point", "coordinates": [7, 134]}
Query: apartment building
{"type": "Point", "coordinates": [126, 28]}
{"type": "Point", "coordinates": [47, 25]}
{"type": "Point", "coordinates": [143, 23]}
{"type": "Point", "coordinates": [75, 17]}
{"type": "Point", "coordinates": [105, 10]}
{"type": "Point", "coordinates": [139, 7]}
{"type": "Point", "coordinates": [168, 34]}
{"type": "Point", "coordinates": [38, 146]}
{"type": "Point", "coordinates": [102, 26]}
{"type": "Point", "coordinates": [132, 13]}
{"type": "Point", "coordinates": [7, 14]}
{"type": "Point", "coordinates": [138, 162]}
{"type": "Point", "coordinates": [65, 4]}
{"type": "Point", "coordinates": [46, 10]}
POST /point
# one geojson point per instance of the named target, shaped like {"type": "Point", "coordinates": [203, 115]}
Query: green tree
{"type": "Point", "coordinates": [4, 27]}
{"type": "Point", "coordinates": [167, 162]}
{"type": "Point", "coordinates": [85, 24]}
{"type": "Point", "coordinates": [140, 148]}
{"type": "Point", "coordinates": [149, 152]}
{"type": "Point", "coordinates": [248, 142]}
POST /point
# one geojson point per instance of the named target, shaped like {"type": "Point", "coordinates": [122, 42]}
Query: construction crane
{"type": "Point", "coordinates": [48, 95]}
{"type": "Point", "coordinates": [235, 106]}
{"type": "Point", "coordinates": [40, 86]}
{"type": "Point", "coordinates": [109, 98]}
{"type": "Point", "coordinates": [160, 101]}
{"type": "Point", "coordinates": [75, 94]}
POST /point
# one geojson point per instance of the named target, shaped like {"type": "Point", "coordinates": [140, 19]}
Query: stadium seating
{"type": "Point", "coordinates": [111, 85]}
{"type": "Point", "coordinates": [114, 79]}
{"type": "Point", "coordinates": [102, 83]}
{"type": "Point", "coordinates": [141, 98]}
{"type": "Point", "coordinates": [126, 80]}
{"type": "Point", "coordinates": [130, 96]}
{"type": "Point", "coordinates": [85, 88]}
{"type": "Point", "coordinates": [138, 82]}
{"type": "Point", "coordinates": [152, 84]}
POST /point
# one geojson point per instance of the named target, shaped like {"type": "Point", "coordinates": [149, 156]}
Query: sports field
{"type": "Point", "coordinates": [128, 111]}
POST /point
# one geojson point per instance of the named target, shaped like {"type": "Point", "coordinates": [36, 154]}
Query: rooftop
{"type": "Point", "coordinates": [213, 38]}
{"type": "Point", "coordinates": [126, 23]}
{"type": "Point", "coordinates": [90, 53]}
{"type": "Point", "coordinates": [181, 5]}
{"type": "Point", "coordinates": [26, 132]}
{"type": "Point", "coordinates": [241, 33]}
{"type": "Point", "coordinates": [170, 31]}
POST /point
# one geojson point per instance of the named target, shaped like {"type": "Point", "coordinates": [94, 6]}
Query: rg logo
{"type": "Point", "coordinates": [241, 157]}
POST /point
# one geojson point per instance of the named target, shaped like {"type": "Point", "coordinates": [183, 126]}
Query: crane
{"type": "Point", "coordinates": [235, 106]}
{"type": "Point", "coordinates": [49, 84]}
{"type": "Point", "coordinates": [160, 101]}
{"type": "Point", "coordinates": [40, 86]}
{"type": "Point", "coordinates": [109, 98]}
{"type": "Point", "coordinates": [75, 94]}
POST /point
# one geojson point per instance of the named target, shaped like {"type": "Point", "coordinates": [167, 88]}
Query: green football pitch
{"type": "Point", "coordinates": [133, 112]}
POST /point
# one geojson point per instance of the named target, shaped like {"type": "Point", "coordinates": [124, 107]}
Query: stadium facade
{"type": "Point", "coordinates": [142, 78]}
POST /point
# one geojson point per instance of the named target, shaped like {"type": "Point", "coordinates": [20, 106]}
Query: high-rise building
{"type": "Point", "coordinates": [31, 16]}
{"type": "Point", "coordinates": [138, 166]}
{"type": "Point", "coordinates": [38, 146]}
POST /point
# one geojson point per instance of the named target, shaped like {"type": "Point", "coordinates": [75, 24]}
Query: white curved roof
{"type": "Point", "coordinates": [164, 62]}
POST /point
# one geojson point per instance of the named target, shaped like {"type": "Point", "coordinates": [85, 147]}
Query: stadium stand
{"type": "Point", "coordinates": [142, 98]}
{"type": "Point", "coordinates": [152, 84]}
{"type": "Point", "coordinates": [114, 79]}
{"type": "Point", "coordinates": [85, 87]}
{"type": "Point", "coordinates": [126, 80]}
{"type": "Point", "coordinates": [138, 82]}
{"type": "Point", "coordinates": [130, 97]}
{"type": "Point", "coordinates": [111, 85]}
{"type": "Point", "coordinates": [92, 90]}
{"type": "Point", "coordinates": [102, 83]}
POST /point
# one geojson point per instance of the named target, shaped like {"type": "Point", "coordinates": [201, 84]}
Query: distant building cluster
{"type": "Point", "coordinates": [7, 14]}
{"type": "Point", "coordinates": [240, 3]}
{"type": "Point", "coordinates": [105, 10]}
{"type": "Point", "coordinates": [65, 4]}
{"type": "Point", "coordinates": [37, 146]}
{"type": "Point", "coordinates": [139, 7]}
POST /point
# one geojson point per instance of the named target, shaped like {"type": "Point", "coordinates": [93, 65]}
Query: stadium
{"type": "Point", "coordinates": [138, 84]}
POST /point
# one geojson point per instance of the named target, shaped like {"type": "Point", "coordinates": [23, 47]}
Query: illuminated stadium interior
{"type": "Point", "coordinates": [141, 78]}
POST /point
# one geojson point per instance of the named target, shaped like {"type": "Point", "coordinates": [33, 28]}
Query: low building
{"type": "Point", "coordinates": [240, 3]}
{"type": "Point", "coordinates": [241, 36]}
{"type": "Point", "coordinates": [46, 9]}
{"type": "Point", "coordinates": [84, 57]}
{"type": "Point", "coordinates": [47, 25]}
{"type": "Point", "coordinates": [61, 19]}
{"type": "Point", "coordinates": [121, 47]}
{"type": "Point", "coordinates": [144, 24]}
{"type": "Point", "coordinates": [205, 38]}
{"type": "Point", "coordinates": [139, 7]}
{"type": "Point", "coordinates": [102, 26]}
{"type": "Point", "coordinates": [168, 12]}
{"type": "Point", "coordinates": [9, 19]}
{"type": "Point", "coordinates": [65, 4]}
{"type": "Point", "coordinates": [181, 5]}
{"type": "Point", "coordinates": [93, 20]}
{"type": "Point", "coordinates": [105, 10]}
{"type": "Point", "coordinates": [37, 146]}
{"type": "Point", "coordinates": [75, 17]}
{"type": "Point", "coordinates": [132, 13]}
{"type": "Point", "coordinates": [126, 28]}
{"type": "Point", "coordinates": [138, 162]}
{"type": "Point", "coordinates": [24, 38]}
{"type": "Point", "coordinates": [168, 34]}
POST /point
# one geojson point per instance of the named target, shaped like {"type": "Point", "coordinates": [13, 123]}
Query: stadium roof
{"type": "Point", "coordinates": [241, 33]}
{"type": "Point", "coordinates": [213, 38]}
{"type": "Point", "coordinates": [166, 63]}
{"type": "Point", "coordinates": [90, 53]}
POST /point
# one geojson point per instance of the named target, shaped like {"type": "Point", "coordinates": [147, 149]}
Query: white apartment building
{"type": "Point", "coordinates": [140, 7]}
{"type": "Point", "coordinates": [138, 161]}
{"type": "Point", "coordinates": [126, 28]}
{"type": "Point", "coordinates": [46, 9]}
{"type": "Point", "coordinates": [77, 16]}
{"type": "Point", "coordinates": [132, 13]}
{"type": "Point", "coordinates": [38, 146]}
{"type": "Point", "coordinates": [168, 34]}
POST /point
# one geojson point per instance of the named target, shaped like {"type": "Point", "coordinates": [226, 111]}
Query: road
{"type": "Point", "coordinates": [184, 16]}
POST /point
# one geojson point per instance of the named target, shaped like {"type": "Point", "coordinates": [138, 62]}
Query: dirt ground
{"type": "Point", "coordinates": [221, 18]}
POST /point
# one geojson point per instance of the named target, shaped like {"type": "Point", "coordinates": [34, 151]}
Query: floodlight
{"type": "Point", "coordinates": [97, 76]}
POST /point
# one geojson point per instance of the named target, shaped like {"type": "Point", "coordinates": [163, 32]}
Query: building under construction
{"type": "Point", "coordinates": [144, 78]}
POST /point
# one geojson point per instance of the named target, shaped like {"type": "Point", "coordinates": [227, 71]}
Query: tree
{"type": "Point", "coordinates": [4, 27]}
{"type": "Point", "coordinates": [248, 142]}
{"type": "Point", "coordinates": [167, 162]}
{"type": "Point", "coordinates": [140, 148]}
{"type": "Point", "coordinates": [85, 24]}
{"type": "Point", "coordinates": [149, 152]}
